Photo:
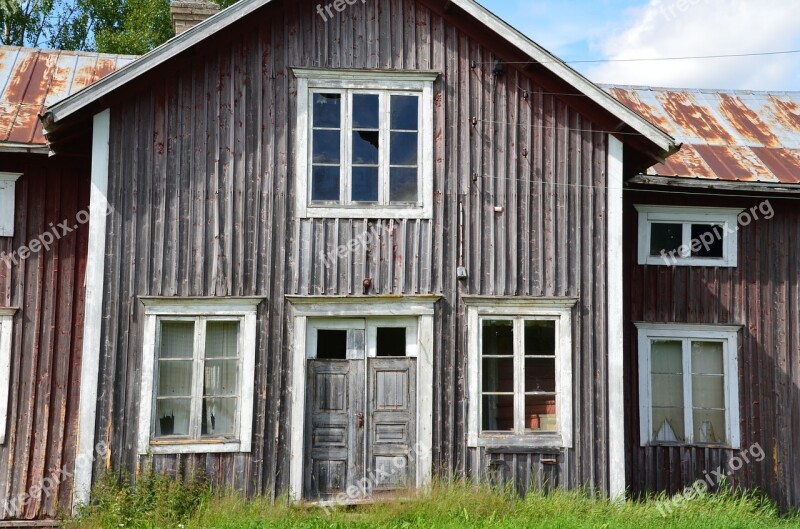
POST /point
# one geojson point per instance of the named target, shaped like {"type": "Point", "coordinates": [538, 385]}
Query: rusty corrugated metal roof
{"type": "Point", "coordinates": [727, 135]}
{"type": "Point", "coordinates": [31, 79]}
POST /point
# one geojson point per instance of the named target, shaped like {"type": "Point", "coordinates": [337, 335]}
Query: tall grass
{"type": "Point", "coordinates": [159, 502]}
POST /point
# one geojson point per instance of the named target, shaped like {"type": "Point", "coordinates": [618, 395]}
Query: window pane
{"type": "Point", "coordinates": [174, 378]}
{"type": "Point", "coordinates": [710, 237]}
{"type": "Point", "coordinates": [540, 374]}
{"type": "Point", "coordinates": [668, 425]}
{"type": "Point", "coordinates": [365, 111]}
{"type": "Point", "coordinates": [707, 358]}
{"type": "Point", "coordinates": [540, 338]}
{"type": "Point", "coordinates": [327, 110]}
{"type": "Point", "coordinates": [222, 339]}
{"type": "Point", "coordinates": [498, 337]}
{"type": "Point", "coordinates": [172, 417]}
{"type": "Point", "coordinates": [708, 391]}
{"type": "Point", "coordinates": [177, 339]}
{"type": "Point", "coordinates": [391, 341]}
{"type": "Point", "coordinates": [403, 148]}
{"type": "Point", "coordinates": [403, 185]}
{"type": "Point", "coordinates": [540, 413]}
{"type": "Point", "coordinates": [666, 362]}
{"type": "Point", "coordinates": [220, 378]}
{"type": "Point", "coordinates": [365, 147]}
{"type": "Point", "coordinates": [219, 416]}
{"type": "Point", "coordinates": [405, 112]}
{"type": "Point", "coordinates": [331, 344]}
{"type": "Point", "coordinates": [497, 375]}
{"type": "Point", "coordinates": [666, 356]}
{"type": "Point", "coordinates": [365, 184]}
{"type": "Point", "coordinates": [325, 183]}
{"type": "Point", "coordinates": [709, 426]}
{"type": "Point", "coordinates": [665, 237]}
{"type": "Point", "coordinates": [498, 413]}
{"type": "Point", "coordinates": [327, 148]}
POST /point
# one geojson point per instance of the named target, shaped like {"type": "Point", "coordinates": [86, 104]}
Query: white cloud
{"type": "Point", "coordinates": [678, 28]}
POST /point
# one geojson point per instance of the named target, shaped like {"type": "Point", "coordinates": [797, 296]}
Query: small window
{"type": "Point", "coordinates": [6, 323]}
{"type": "Point", "coordinates": [199, 371]}
{"type": "Point", "coordinates": [681, 236]}
{"type": "Point", "coordinates": [7, 201]}
{"type": "Point", "coordinates": [521, 376]}
{"type": "Point", "coordinates": [688, 385]}
{"type": "Point", "coordinates": [365, 144]}
{"type": "Point", "coordinates": [331, 344]}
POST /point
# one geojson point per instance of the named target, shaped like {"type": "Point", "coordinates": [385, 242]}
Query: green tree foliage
{"type": "Point", "coordinates": [131, 27]}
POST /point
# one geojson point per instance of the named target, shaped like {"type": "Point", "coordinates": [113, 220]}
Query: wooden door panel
{"type": "Point", "coordinates": [391, 435]}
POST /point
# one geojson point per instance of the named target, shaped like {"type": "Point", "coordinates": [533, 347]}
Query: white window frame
{"type": "Point", "coordinates": [726, 218]}
{"type": "Point", "coordinates": [7, 200]}
{"type": "Point", "coordinates": [728, 335]}
{"type": "Point", "coordinates": [559, 310]}
{"type": "Point", "coordinates": [6, 333]}
{"type": "Point", "coordinates": [310, 80]}
{"type": "Point", "coordinates": [243, 310]}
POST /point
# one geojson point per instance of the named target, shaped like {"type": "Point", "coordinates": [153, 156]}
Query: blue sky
{"type": "Point", "coordinates": [625, 29]}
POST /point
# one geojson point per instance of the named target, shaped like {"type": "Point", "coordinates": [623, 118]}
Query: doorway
{"type": "Point", "coordinates": [361, 407]}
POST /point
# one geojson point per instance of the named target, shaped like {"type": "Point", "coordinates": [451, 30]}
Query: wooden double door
{"type": "Point", "coordinates": [360, 413]}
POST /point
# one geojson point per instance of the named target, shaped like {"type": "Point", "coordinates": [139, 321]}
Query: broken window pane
{"type": "Point", "coordinates": [365, 147]}
{"type": "Point", "coordinates": [331, 344]}
{"type": "Point", "coordinates": [391, 341]}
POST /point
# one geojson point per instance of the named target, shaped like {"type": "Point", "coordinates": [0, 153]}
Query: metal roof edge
{"type": "Point", "coordinates": [568, 74]}
{"type": "Point", "coordinates": [704, 183]}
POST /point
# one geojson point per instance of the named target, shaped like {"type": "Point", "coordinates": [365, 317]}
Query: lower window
{"type": "Point", "coordinates": [6, 323]}
{"type": "Point", "coordinates": [520, 358]}
{"type": "Point", "coordinates": [197, 382]}
{"type": "Point", "coordinates": [688, 383]}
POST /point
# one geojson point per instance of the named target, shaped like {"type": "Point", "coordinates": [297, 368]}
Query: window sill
{"type": "Point", "coordinates": [194, 447]}
{"type": "Point", "coordinates": [720, 446]}
{"type": "Point", "coordinates": [552, 441]}
{"type": "Point", "coordinates": [369, 212]}
{"type": "Point", "coordinates": [683, 261]}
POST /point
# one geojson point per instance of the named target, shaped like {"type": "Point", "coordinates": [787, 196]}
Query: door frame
{"type": "Point", "coordinates": [301, 308]}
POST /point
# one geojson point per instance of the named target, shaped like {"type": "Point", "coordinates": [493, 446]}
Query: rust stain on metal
{"type": "Point", "coordinates": [784, 163]}
{"type": "Point", "coordinates": [688, 114]}
{"type": "Point", "coordinates": [787, 113]}
{"type": "Point", "coordinates": [32, 78]}
{"type": "Point", "coordinates": [746, 121]}
{"type": "Point", "coordinates": [632, 100]}
{"type": "Point", "coordinates": [686, 162]}
{"type": "Point", "coordinates": [723, 163]}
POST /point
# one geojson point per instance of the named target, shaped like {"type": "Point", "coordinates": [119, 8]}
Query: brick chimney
{"type": "Point", "coordinates": [187, 14]}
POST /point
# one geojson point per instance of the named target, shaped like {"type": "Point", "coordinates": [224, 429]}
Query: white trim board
{"type": "Point", "coordinates": [7, 202]}
{"type": "Point", "coordinates": [300, 310]}
{"type": "Point", "coordinates": [93, 319]}
{"type": "Point", "coordinates": [169, 50]}
{"type": "Point", "coordinates": [616, 355]}
{"type": "Point", "coordinates": [6, 333]}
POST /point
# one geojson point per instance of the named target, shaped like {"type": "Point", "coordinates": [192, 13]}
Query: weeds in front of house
{"type": "Point", "coordinates": [158, 502]}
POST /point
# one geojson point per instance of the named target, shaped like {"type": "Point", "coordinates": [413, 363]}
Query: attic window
{"type": "Point", "coordinates": [364, 144]}
{"type": "Point", "coordinates": [7, 199]}
{"type": "Point", "coordinates": [687, 236]}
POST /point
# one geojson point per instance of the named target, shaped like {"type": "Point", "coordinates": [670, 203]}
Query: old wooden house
{"type": "Point", "coordinates": [43, 240]}
{"type": "Point", "coordinates": [354, 249]}
{"type": "Point", "coordinates": [713, 330]}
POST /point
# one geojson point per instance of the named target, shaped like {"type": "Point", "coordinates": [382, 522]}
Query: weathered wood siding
{"type": "Point", "coordinates": [202, 183]}
{"type": "Point", "coordinates": [762, 294]}
{"type": "Point", "coordinates": [46, 348]}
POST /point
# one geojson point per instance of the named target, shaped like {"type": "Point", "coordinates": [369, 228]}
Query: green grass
{"type": "Point", "coordinates": [161, 503]}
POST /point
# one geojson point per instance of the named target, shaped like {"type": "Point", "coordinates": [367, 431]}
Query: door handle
{"type": "Point", "coordinates": [360, 418]}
